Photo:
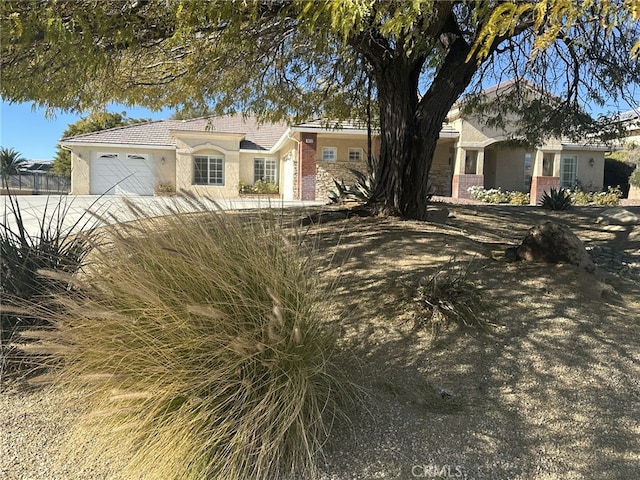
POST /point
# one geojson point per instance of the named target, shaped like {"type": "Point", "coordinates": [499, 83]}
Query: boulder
{"type": "Point", "coordinates": [438, 215]}
{"type": "Point", "coordinates": [618, 216]}
{"type": "Point", "coordinates": [551, 242]}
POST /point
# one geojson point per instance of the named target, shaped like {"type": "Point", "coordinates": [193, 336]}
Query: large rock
{"type": "Point", "coordinates": [550, 242]}
{"type": "Point", "coordinates": [618, 216]}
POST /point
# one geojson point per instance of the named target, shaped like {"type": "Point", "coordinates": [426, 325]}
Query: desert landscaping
{"type": "Point", "coordinates": [547, 389]}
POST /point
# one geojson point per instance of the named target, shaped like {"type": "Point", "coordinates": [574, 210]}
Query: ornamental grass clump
{"type": "Point", "coordinates": [449, 297]}
{"type": "Point", "coordinates": [199, 342]}
{"type": "Point", "coordinates": [52, 247]}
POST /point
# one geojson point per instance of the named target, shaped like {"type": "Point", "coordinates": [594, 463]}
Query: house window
{"type": "Point", "coordinates": [208, 170]}
{"type": "Point", "coordinates": [527, 170]}
{"type": "Point", "coordinates": [471, 162]}
{"type": "Point", "coordinates": [264, 170]}
{"type": "Point", "coordinates": [329, 154]}
{"type": "Point", "coordinates": [355, 154]}
{"type": "Point", "coordinates": [568, 171]}
{"type": "Point", "coordinates": [547, 165]}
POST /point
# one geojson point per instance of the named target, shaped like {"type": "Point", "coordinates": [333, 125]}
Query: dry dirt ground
{"type": "Point", "coordinates": [550, 390]}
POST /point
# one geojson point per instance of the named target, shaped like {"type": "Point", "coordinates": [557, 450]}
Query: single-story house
{"type": "Point", "coordinates": [214, 156]}
{"type": "Point", "coordinates": [631, 122]}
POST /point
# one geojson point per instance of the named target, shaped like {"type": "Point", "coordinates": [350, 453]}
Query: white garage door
{"type": "Point", "coordinates": [122, 174]}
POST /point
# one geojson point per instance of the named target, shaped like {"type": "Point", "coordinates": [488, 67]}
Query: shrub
{"type": "Point", "coordinates": [556, 199]}
{"type": "Point", "coordinates": [611, 197]}
{"type": "Point", "coordinates": [518, 198]}
{"type": "Point", "coordinates": [616, 172]}
{"type": "Point", "coordinates": [27, 260]}
{"type": "Point", "coordinates": [200, 337]}
{"type": "Point", "coordinates": [449, 297]}
{"type": "Point", "coordinates": [165, 188]}
{"type": "Point", "coordinates": [581, 198]}
{"type": "Point", "coordinates": [259, 188]}
{"type": "Point", "coordinates": [363, 189]}
{"type": "Point", "coordinates": [496, 195]}
{"type": "Point", "coordinates": [634, 179]}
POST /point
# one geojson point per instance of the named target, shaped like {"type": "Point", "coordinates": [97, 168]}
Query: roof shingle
{"type": "Point", "coordinates": [158, 133]}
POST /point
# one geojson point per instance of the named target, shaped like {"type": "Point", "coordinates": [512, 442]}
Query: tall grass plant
{"type": "Point", "coordinates": [34, 265]}
{"type": "Point", "coordinates": [199, 342]}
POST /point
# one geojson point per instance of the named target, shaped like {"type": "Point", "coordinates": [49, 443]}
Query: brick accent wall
{"type": "Point", "coordinates": [308, 165]}
{"type": "Point", "coordinates": [541, 184]}
{"type": "Point", "coordinates": [461, 183]}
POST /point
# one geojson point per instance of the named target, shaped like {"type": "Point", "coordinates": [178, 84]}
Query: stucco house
{"type": "Point", "coordinates": [631, 122]}
{"type": "Point", "coordinates": [212, 156]}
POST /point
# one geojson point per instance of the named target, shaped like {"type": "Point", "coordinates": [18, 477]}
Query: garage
{"type": "Point", "coordinates": [122, 174]}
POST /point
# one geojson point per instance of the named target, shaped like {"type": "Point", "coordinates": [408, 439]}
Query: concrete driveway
{"type": "Point", "coordinates": [76, 212]}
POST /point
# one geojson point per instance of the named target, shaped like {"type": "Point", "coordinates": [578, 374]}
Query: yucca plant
{"type": "Point", "coordinates": [199, 341]}
{"type": "Point", "coordinates": [556, 199]}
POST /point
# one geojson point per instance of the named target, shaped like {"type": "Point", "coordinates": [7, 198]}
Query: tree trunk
{"type": "Point", "coordinates": [410, 127]}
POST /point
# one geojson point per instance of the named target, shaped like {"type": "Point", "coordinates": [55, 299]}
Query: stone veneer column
{"type": "Point", "coordinates": [308, 165]}
{"type": "Point", "coordinates": [539, 185]}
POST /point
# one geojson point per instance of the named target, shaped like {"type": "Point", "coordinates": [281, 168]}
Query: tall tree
{"type": "Point", "coordinates": [302, 59]}
{"type": "Point", "coordinates": [10, 160]}
{"type": "Point", "coordinates": [91, 123]}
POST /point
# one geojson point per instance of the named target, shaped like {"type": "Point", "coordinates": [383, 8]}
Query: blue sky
{"type": "Point", "coordinates": [28, 131]}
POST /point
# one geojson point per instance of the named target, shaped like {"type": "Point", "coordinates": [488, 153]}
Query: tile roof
{"type": "Point", "coordinates": [158, 133]}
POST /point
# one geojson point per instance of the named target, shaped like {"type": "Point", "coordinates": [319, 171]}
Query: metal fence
{"type": "Point", "coordinates": [38, 182]}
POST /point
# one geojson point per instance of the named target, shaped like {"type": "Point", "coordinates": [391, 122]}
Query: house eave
{"type": "Point", "coordinates": [117, 145]}
{"type": "Point", "coordinates": [579, 146]}
{"type": "Point", "coordinates": [205, 134]}
{"type": "Point", "coordinates": [337, 131]}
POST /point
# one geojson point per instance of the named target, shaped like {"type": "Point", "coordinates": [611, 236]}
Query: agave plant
{"type": "Point", "coordinates": [365, 186]}
{"type": "Point", "coordinates": [340, 193]}
{"type": "Point", "coordinates": [556, 199]}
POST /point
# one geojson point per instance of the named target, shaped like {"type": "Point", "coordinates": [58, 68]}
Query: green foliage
{"type": "Point", "coordinates": [10, 160]}
{"type": "Point", "coordinates": [259, 188]}
{"type": "Point", "coordinates": [616, 172]}
{"type": "Point", "coordinates": [364, 187]}
{"type": "Point", "coordinates": [610, 197]}
{"type": "Point", "coordinates": [340, 194]}
{"type": "Point", "coordinates": [556, 199]}
{"type": "Point", "coordinates": [519, 198]}
{"type": "Point", "coordinates": [362, 190]}
{"type": "Point", "coordinates": [202, 336]}
{"type": "Point", "coordinates": [634, 178]}
{"type": "Point", "coordinates": [449, 296]}
{"type": "Point", "coordinates": [32, 263]}
{"type": "Point", "coordinates": [496, 195]}
{"type": "Point", "coordinates": [302, 59]}
{"type": "Point", "coordinates": [551, 19]}
{"type": "Point", "coordinates": [92, 123]}
{"type": "Point", "coordinates": [581, 198]}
